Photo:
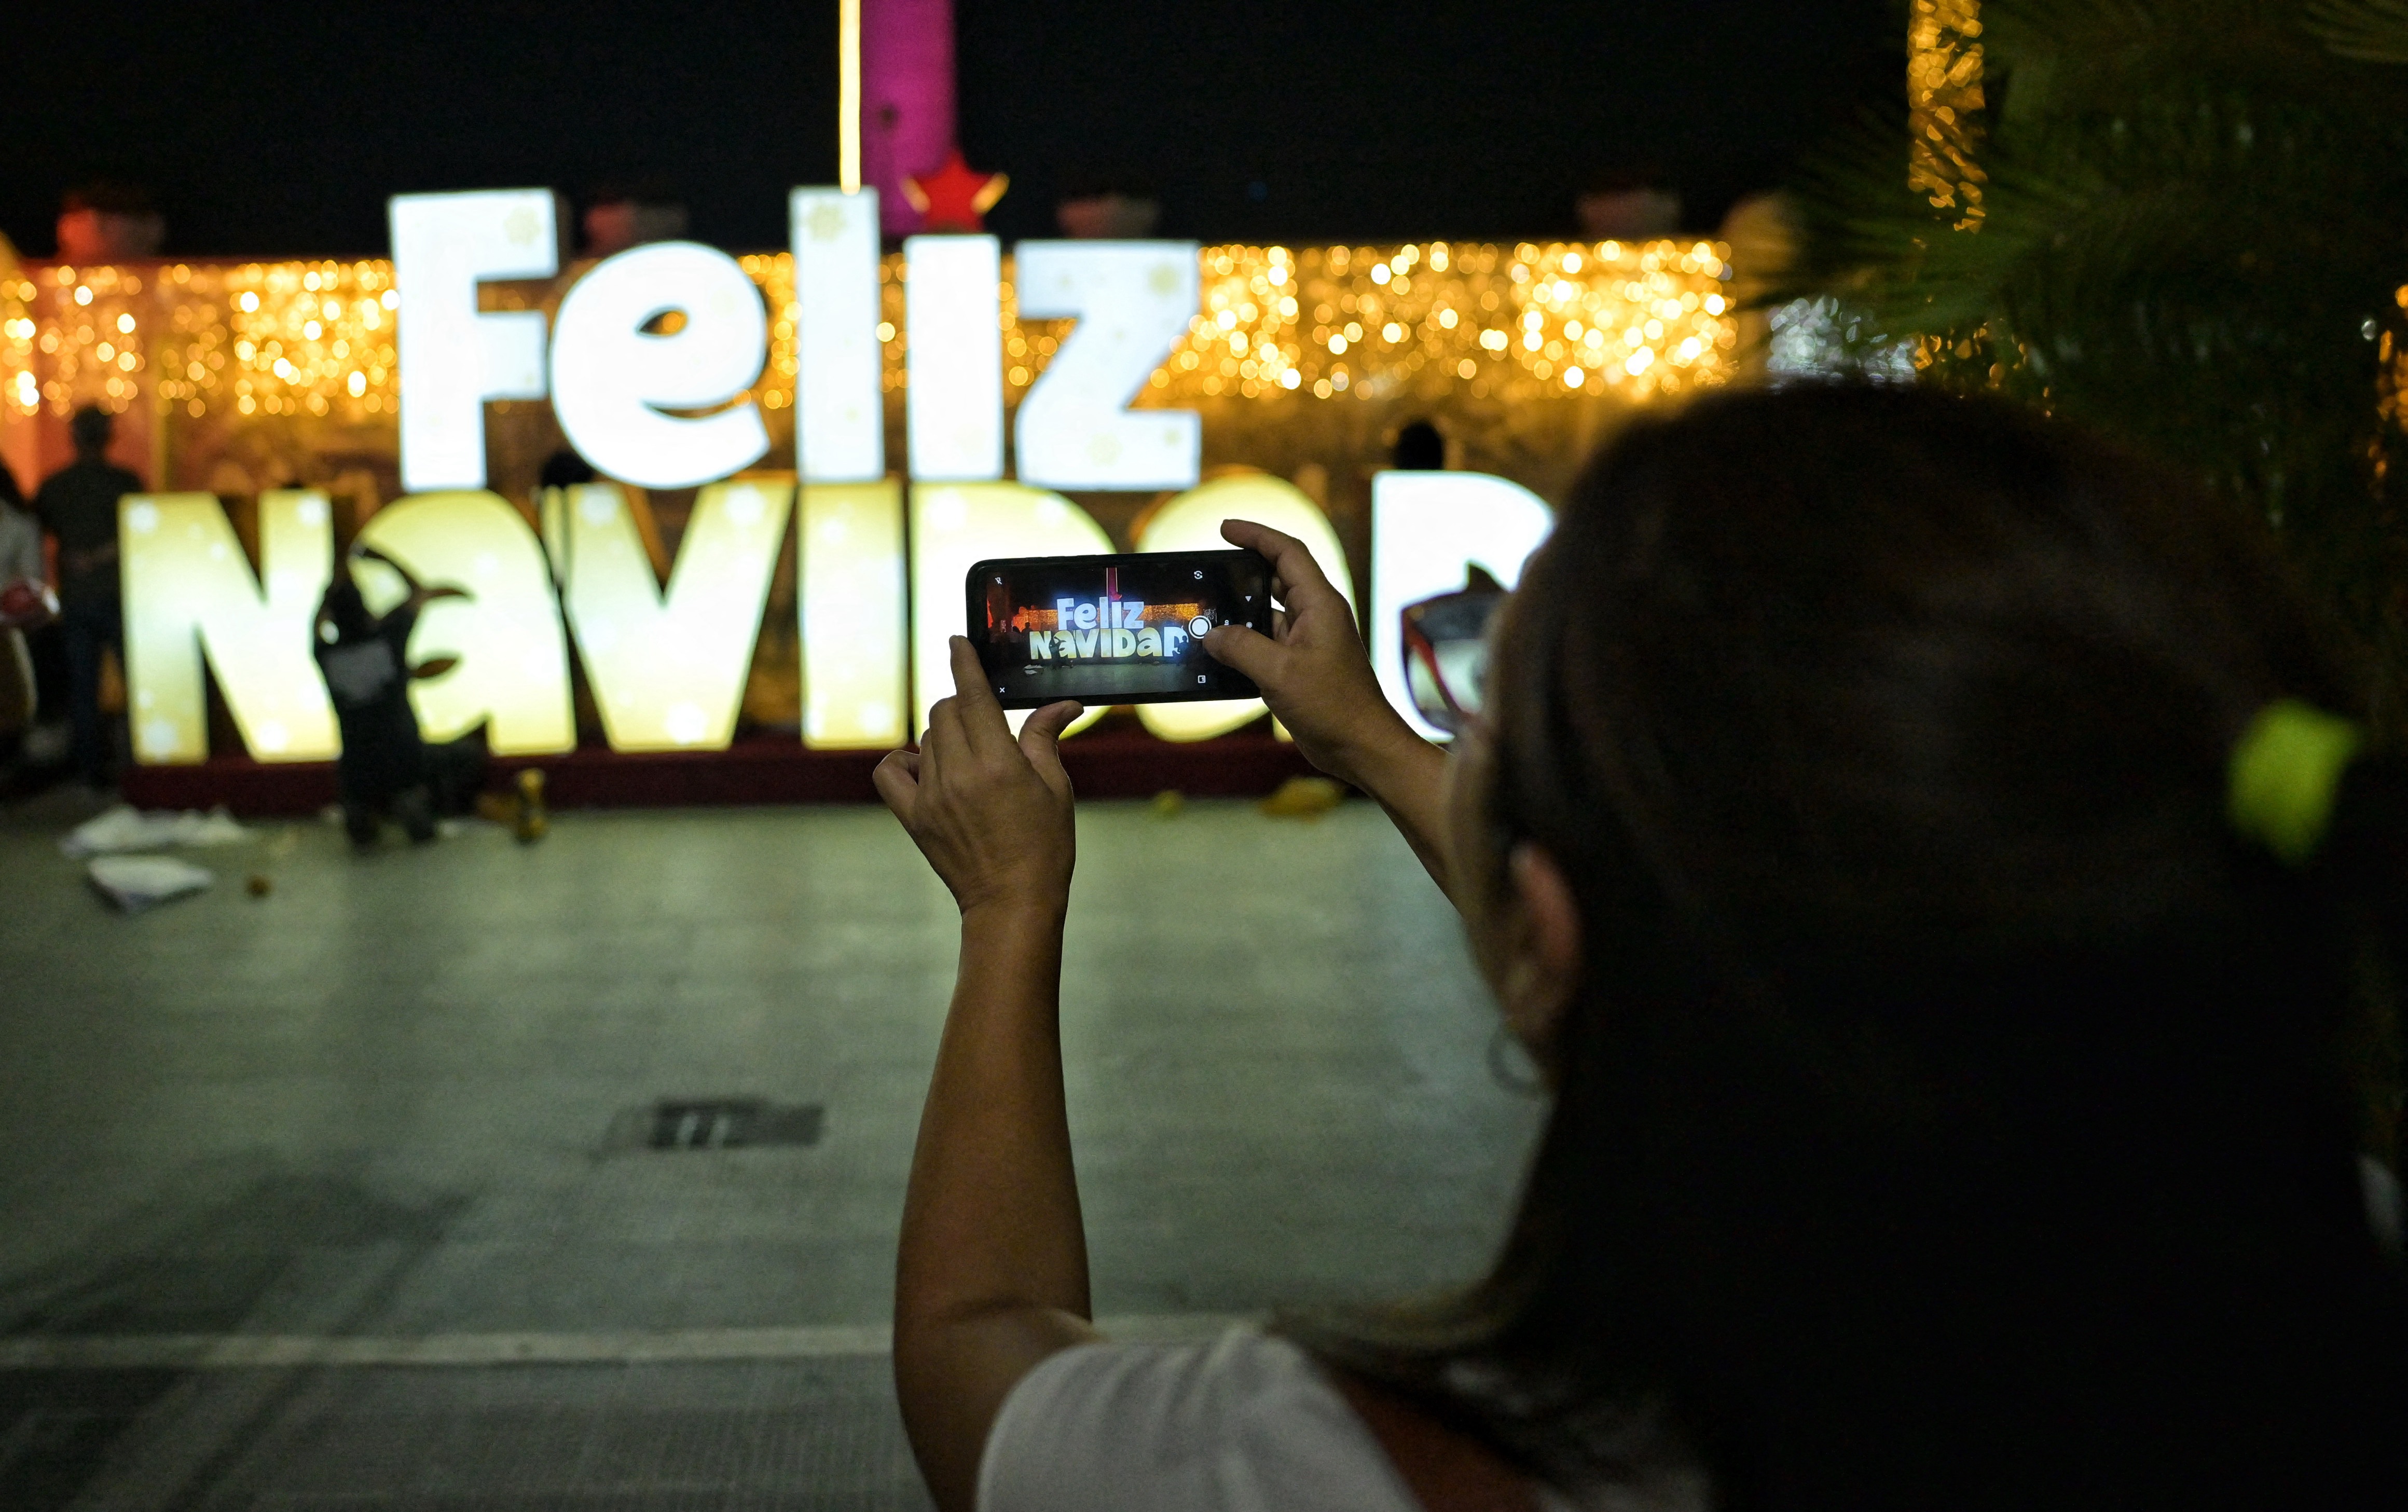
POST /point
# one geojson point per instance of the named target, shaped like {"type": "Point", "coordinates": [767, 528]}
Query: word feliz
{"type": "Point", "coordinates": [663, 404]}
{"type": "Point", "coordinates": [669, 666]}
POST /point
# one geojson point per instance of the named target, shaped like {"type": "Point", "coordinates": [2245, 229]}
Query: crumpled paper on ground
{"type": "Point", "coordinates": [134, 883]}
{"type": "Point", "coordinates": [125, 829]}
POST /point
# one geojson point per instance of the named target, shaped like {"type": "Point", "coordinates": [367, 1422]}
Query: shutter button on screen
{"type": "Point", "coordinates": [1198, 626]}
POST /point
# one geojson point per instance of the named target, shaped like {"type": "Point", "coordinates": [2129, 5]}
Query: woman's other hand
{"type": "Point", "coordinates": [1311, 667]}
{"type": "Point", "coordinates": [993, 815]}
{"type": "Point", "coordinates": [1315, 677]}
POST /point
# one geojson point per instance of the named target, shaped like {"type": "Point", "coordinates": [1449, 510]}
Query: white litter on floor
{"type": "Point", "coordinates": [134, 883]}
{"type": "Point", "coordinates": [125, 829]}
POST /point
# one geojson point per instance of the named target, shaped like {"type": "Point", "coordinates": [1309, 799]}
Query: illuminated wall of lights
{"type": "Point", "coordinates": [1283, 334]}
{"type": "Point", "coordinates": [316, 338]}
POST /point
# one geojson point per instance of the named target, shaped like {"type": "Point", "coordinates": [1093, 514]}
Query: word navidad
{"type": "Point", "coordinates": [879, 564]}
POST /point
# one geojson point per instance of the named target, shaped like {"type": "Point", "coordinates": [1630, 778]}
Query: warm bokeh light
{"type": "Point", "coordinates": [1323, 322]}
{"type": "Point", "coordinates": [1943, 97]}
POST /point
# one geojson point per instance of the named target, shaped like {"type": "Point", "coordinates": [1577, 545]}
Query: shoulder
{"type": "Point", "coordinates": [73, 483]}
{"type": "Point", "coordinates": [1245, 1423]}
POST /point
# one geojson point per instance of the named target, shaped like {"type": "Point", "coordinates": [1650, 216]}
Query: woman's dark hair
{"type": "Point", "coordinates": [1955, 1113]}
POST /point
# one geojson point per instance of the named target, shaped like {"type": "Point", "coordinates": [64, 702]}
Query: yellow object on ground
{"type": "Point", "coordinates": [1304, 798]}
{"type": "Point", "coordinates": [533, 821]}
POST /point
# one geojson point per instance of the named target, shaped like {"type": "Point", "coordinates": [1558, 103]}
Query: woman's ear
{"type": "Point", "coordinates": [1541, 970]}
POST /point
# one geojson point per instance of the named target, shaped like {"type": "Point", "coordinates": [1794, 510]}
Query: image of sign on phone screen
{"type": "Point", "coordinates": [1114, 629]}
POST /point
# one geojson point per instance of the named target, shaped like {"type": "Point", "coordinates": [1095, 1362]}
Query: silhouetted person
{"type": "Point", "coordinates": [78, 505]}
{"type": "Point", "coordinates": [1420, 447]}
{"type": "Point", "coordinates": [25, 603]}
{"type": "Point", "coordinates": [564, 469]}
{"type": "Point", "coordinates": [364, 657]}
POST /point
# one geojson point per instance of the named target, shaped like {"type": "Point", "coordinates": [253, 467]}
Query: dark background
{"type": "Point", "coordinates": [278, 130]}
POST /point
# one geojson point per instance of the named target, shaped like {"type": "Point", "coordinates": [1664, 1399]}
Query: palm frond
{"type": "Point", "coordinates": [2195, 223]}
{"type": "Point", "coordinates": [2370, 31]}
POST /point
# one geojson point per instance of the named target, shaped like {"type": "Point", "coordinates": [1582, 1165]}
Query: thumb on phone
{"type": "Point", "coordinates": [1040, 741]}
{"type": "Point", "coordinates": [1247, 650]}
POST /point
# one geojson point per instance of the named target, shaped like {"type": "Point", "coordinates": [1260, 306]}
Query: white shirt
{"type": "Point", "coordinates": [1246, 1423]}
{"type": "Point", "coordinates": [21, 545]}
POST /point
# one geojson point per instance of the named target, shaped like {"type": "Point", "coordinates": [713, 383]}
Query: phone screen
{"type": "Point", "coordinates": [1114, 629]}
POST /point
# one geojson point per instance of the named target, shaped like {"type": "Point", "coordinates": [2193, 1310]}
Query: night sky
{"type": "Point", "coordinates": [278, 130]}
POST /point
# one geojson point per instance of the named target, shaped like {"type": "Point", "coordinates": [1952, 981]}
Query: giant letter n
{"type": "Point", "coordinates": [189, 593]}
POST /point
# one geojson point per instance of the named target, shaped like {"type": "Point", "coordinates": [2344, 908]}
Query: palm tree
{"type": "Point", "coordinates": [2184, 223]}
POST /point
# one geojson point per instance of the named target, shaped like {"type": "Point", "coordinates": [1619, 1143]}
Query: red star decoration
{"type": "Point", "coordinates": [956, 196]}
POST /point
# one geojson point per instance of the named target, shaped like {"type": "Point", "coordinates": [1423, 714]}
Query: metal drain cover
{"type": "Point", "coordinates": [719, 1123]}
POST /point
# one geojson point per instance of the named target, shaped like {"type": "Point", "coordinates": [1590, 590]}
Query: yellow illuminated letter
{"type": "Point", "coordinates": [954, 527]}
{"type": "Point", "coordinates": [667, 669]}
{"type": "Point", "coordinates": [850, 538]}
{"type": "Point", "coordinates": [189, 593]}
{"type": "Point", "coordinates": [1192, 523]}
{"type": "Point", "coordinates": [513, 671]}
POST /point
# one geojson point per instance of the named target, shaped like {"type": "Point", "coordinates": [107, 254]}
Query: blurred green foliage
{"type": "Point", "coordinates": [2193, 237]}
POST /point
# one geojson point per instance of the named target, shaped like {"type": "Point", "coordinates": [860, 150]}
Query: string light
{"type": "Point", "coordinates": [1358, 324]}
{"type": "Point", "coordinates": [1943, 97]}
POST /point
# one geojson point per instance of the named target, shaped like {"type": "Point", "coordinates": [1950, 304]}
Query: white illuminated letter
{"type": "Point", "coordinates": [610, 378]}
{"type": "Point", "coordinates": [189, 593]}
{"type": "Point", "coordinates": [667, 669]}
{"type": "Point", "coordinates": [953, 305]}
{"type": "Point", "coordinates": [513, 671]}
{"type": "Point", "coordinates": [1426, 528]}
{"type": "Point", "coordinates": [850, 538]}
{"type": "Point", "coordinates": [1192, 523]}
{"type": "Point", "coordinates": [452, 359]}
{"type": "Point", "coordinates": [954, 527]}
{"type": "Point", "coordinates": [839, 407]}
{"type": "Point", "coordinates": [1133, 300]}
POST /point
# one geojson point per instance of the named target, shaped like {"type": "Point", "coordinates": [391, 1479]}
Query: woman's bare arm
{"type": "Point", "coordinates": [992, 1272]}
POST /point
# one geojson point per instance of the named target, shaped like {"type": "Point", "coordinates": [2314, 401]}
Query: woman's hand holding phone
{"type": "Point", "coordinates": [1312, 669]}
{"type": "Point", "coordinates": [993, 814]}
{"type": "Point", "coordinates": [1316, 678]}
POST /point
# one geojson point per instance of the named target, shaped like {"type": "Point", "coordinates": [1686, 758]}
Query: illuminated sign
{"type": "Point", "coordinates": [649, 364]}
{"type": "Point", "coordinates": [456, 357]}
{"type": "Point", "coordinates": [614, 379]}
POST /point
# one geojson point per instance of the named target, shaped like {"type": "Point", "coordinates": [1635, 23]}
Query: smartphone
{"type": "Point", "coordinates": [1114, 629]}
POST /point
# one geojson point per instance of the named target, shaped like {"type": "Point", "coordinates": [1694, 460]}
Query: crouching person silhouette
{"type": "Point", "coordinates": [364, 657]}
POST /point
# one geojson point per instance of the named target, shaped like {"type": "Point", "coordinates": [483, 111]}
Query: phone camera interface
{"type": "Point", "coordinates": [1119, 629]}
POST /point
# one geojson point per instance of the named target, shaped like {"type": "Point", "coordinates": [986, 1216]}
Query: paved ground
{"type": "Point", "coordinates": [404, 1101]}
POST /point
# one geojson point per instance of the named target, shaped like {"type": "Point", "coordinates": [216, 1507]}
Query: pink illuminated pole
{"type": "Point", "coordinates": [907, 100]}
